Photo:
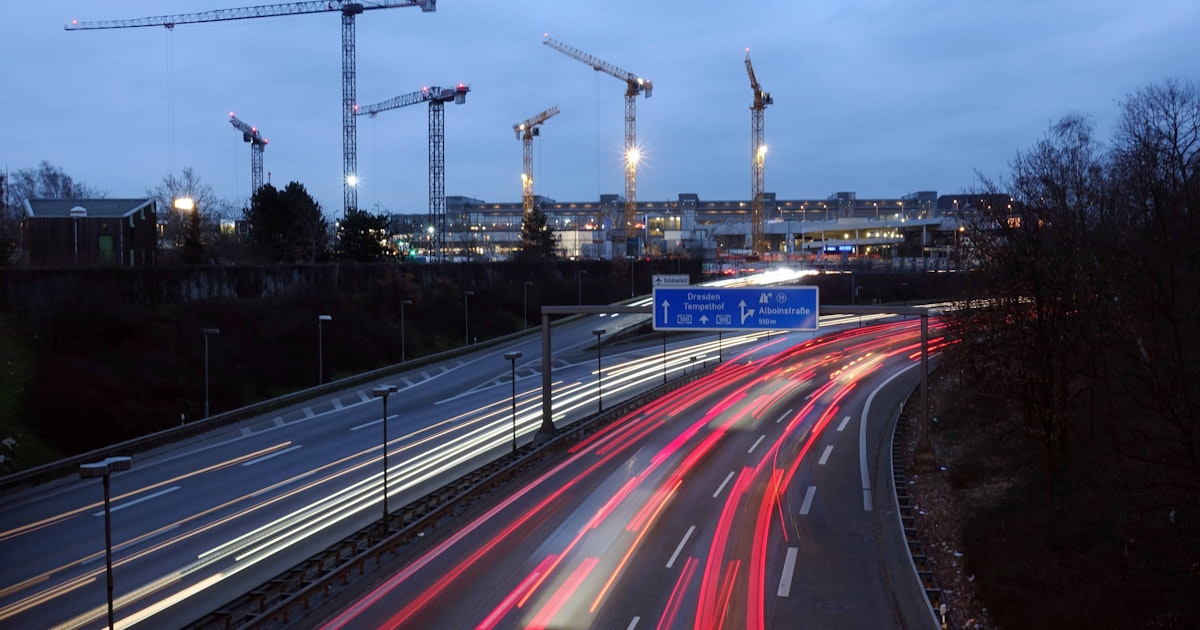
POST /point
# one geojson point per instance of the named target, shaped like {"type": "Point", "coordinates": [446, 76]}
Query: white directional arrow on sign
{"type": "Point", "coordinates": [746, 313]}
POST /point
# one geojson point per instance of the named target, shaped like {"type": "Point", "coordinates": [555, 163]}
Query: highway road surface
{"type": "Point", "coordinates": [744, 500]}
{"type": "Point", "coordinates": [201, 521]}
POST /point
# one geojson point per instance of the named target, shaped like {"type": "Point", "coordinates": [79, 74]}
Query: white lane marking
{"type": "Point", "coordinates": [138, 500]}
{"type": "Point", "coordinates": [845, 421]}
{"type": "Point", "coordinates": [308, 412]}
{"type": "Point", "coordinates": [862, 438]}
{"type": "Point", "coordinates": [722, 486]}
{"type": "Point", "coordinates": [789, 568]}
{"type": "Point", "coordinates": [269, 456]}
{"type": "Point", "coordinates": [370, 424]}
{"type": "Point", "coordinates": [633, 623]}
{"type": "Point", "coordinates": [278, 421]}
{"type": "Point", "coordinates": [407, 382]}
{"type": "Point", "coordinates": [825, 455]}
{"type": "Point", "coordinates": [756, 443]}
{"type": "Point", "coordinates": [363, 396]}
{"type": "Point", "coordinates": [679, 548]}
{"type": "Point", "coordinates": [785, 414]}
{"type": "Point", "coordinates": [246, 432]}
{"type": "Point", "coordinates": [808, 498]}
{"type": "Point", "coordinates": [337, 403]}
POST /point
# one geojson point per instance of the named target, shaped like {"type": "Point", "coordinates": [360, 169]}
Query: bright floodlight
{"type": "Point", "coordinates": [633, 156]}
{"type": "Point", "coordinates": [352, 179]}
{"type": "Point", "coordinates": [185, 204]}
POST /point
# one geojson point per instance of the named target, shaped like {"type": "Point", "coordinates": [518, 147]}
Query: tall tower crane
{"type": "Point", "coordinates": [437, 98]}
{"type": "Point", "coordinates": [257, 144]}
{"type": "Point", "coordinates": [634, 85]}
{"type": "Point", "coordinates": [758, 155]}
{"type": "Point", "coordinates": [348, 11]}
{"type": "Point", "coordinates": [525, 132]}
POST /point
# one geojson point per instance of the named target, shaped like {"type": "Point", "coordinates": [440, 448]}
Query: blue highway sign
{"type": "Point", "coordinates": [741, 308]}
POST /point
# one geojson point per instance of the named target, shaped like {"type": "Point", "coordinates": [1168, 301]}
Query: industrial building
{"type": "Point", "coordinates": [920, 225]}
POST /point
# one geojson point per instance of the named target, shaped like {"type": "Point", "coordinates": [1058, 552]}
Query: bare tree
{"type": "Point", "coordinates": [47, 182]}
{"type": "Point", "coordinates": [187, 235]}
{"type": "Point", "coordinates": [1154, 358]}
{"type": "Point", "coordinates": [1028, 344]}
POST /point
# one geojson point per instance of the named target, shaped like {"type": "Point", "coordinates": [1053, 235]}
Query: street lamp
{"type": "Point", "coordinates": [104, 469]}
{"type": "Point", "coordinates": [599, 332]}
{"type": "Point", "coordinates": [512, 359]}
{"type": "Point", "coordinates": [321, 349]}
{"type": "Point", "coordinates": [579, 283]}
{"type": "Point", "coordinates": [467, 316]}
{"type": "Point", "coordinates": [207, 332]}
{"type": "Point", "coordinates": [383, 391]}
{"type": "Point", "coordinates": [525, 303]}
{"type": "Point", "coordinates": [402, 304]}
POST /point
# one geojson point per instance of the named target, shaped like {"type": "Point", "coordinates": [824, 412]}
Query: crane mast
{"type": "Point", "coordinates": [348, 11]}
{"type": "Point", "coordinates": [634, 85]}
{"type": "Point", "coordinates": [758, 154]}
{"type": "Point", "coordinates": [525, 131]}
{"type": "Point", "coordinates": [257, 144]}
{"type": "Point", "coordinates": [437, 98]}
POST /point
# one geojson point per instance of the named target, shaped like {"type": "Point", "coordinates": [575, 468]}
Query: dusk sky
{"type": "Point", "coordinates": [879, 97]}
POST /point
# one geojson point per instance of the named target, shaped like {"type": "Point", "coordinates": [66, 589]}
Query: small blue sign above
{"type": "Point", "coordinates": [741, 308]}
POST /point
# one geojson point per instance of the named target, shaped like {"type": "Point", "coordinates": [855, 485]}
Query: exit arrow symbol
{"type": "Point", "coordinates": [746, 313]}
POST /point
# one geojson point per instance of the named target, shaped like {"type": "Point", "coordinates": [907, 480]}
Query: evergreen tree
{"type": "Point", "coordinates": [362, 237]}
{"type": "Point", "coordinates": [286, 225]}
{"type": "Point", "coordinates": [538, 241]}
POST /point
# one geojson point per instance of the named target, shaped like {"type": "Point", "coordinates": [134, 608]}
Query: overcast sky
{"type": "Point", "coordinates": [874, 96]}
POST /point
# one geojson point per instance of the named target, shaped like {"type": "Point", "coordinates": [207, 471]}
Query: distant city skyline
{"type": "Point", "coordinates": [879, 98]}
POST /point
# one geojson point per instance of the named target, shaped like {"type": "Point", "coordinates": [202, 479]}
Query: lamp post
{"type": "Point", "coordinates": [525, 303]}
{"type": "Point", "coordinates": [467, 317]}
{"type": "Point", "coordinates": [383, 391]}
{"type": "Point", "coordinates": [104, 469]}
{"type": "Point", "coordinates": [321, 349]}
{"type": "Point", "coordinates": [207, 332]}
{"type": "Point", "coordinates": [512, 359]}
{"type": "Point", "coordinates": [579, 284]}
{"type": "Point", "coordinates": [402, 305]}
{"type": "Point", "coordinates": [599, 332]}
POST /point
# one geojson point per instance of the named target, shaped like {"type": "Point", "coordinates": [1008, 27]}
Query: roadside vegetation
{"type": "Point", "coordinates": [1077, 362]}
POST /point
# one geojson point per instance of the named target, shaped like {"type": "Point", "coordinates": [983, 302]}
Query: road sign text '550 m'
{"type": "Point", "coordinates": [741, 308]}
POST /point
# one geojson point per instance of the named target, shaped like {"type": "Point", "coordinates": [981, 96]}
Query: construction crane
{"type": "Point", "coordinates": [437, 98]}
{"type": "Point", "coordinates": [758, 155]}
{"type": "Point", "coordinates": [634, 85]}
{"type": "Point", "coordinates": [525, 132]}
{"type": "Point", "coordinates": [348, 11]}
{"type": "Point", "coordinates": [257, 144]}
